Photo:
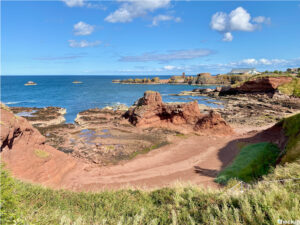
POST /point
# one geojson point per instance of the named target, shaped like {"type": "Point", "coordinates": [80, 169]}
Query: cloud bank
{"type": "Point", "coordinates": [169, 56]}
{"type": "Point", "coordinates": [83, 44]}
{"type": "Point", "coordinates": [159, 18]}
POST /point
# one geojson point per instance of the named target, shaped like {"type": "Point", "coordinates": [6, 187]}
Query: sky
{"type": "Point", "coordinates": [147, 37]}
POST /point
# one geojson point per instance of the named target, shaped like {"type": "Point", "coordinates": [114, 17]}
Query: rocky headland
{"type": "Point", "coordinates": [257, 102]}
{"type": "Point", "coordinates": [199, 79]}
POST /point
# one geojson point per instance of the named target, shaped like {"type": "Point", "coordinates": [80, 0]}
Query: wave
{"type": "Point", "coordinates": [17, 102]}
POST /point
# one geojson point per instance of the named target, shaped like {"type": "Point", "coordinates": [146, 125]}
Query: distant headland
{"type": "Point", "coordinates": [233, 77]}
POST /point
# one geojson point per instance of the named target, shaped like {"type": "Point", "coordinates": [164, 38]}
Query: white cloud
{"type": "Point", "coordinates": [82, 28]}
{"type": "Point", "coordinates": [131, 9]}
{"type": "Point", "coordinates": [219, 21]}
{"type": "Point", "coordinates": [169, 56]}
{"type": "Point", "coordinates": [74, 3]}
{"type": "Point", "coordinates": [157, 19]}
{"type": "Point", "coordinates": [237, 20]}
{"type": "Point", "coordinates": [83, 43]}
{"type": "Point", "coordinates": [227, 37]}
{"type": "Point", "coordinates": [262, 19]}
{"type": "Point", "coordinates": [96, 6]}
{"type": "Point", "coordinates": [170, 67]}
{"type": "Point", "coordinates": [263, 62]}
{"type": "Point", "coordinates": [83, 3]}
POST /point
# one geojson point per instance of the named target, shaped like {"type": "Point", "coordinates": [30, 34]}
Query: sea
{"type": "Point", "coordinates": [94, 91]}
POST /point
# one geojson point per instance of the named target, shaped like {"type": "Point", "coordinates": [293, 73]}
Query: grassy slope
{"type": "Point", "coordinates": [292, 88]}
{"type": "Point", "coordinates": [291, 126]}
{"type": "Point", "coordinates": [256, 160]}
{"type": "Point", "coordinates": [252, 162]}
{"type": "Point", "coordinates": [265, 203]}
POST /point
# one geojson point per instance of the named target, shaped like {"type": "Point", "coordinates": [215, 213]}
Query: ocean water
{"type": "Point", "coordinates": [95, 91]}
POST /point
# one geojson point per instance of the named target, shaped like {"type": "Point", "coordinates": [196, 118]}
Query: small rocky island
{"type": "Point", "coordinates": [77, 82]}
{"type": "Point", "coordinates": [30, 83]}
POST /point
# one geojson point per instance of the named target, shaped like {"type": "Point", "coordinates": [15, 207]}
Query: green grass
{"type": "Point", "coordinates": [252, 162]}
{"type": "Point", "coordinates": [264, 203]}
{"type": "Point", "coordinates": [41, 153]}
{"type": "Point", "coordinates": [291, 126]}
{"type": "Point", "coordinates": [292, 88]}
{"type": "Point", "coordinates": [148, 149]}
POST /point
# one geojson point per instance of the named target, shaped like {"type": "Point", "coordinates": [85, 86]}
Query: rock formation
{"type": "Point", "coordinates": [41, 117]}
{"type": "Point", "coordinates": [259, 85]}
{"type": "Point", "coordinates": [151, 111]}
{"type": "Point", "coordinates": [213, 122]}
{"type": "Point", "coordinates": [24, 151]}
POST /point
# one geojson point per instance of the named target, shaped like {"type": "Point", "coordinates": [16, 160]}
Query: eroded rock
{"type": "Point", "coordinates": [150, 111]}
{"type": "Point", "coordinates": [258, 85]}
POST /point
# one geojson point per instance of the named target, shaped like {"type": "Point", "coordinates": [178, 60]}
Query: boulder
{"type": "Point", "coordinates": [213, 122]}
{"type": "Point", "coordinates": [218, 89]}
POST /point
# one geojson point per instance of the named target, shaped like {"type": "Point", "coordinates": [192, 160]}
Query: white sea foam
{"type": "Point", "coordinates": [18, 102]}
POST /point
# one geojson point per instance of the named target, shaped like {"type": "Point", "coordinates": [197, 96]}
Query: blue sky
{"type": "Point", "coordinates": [78, 37]}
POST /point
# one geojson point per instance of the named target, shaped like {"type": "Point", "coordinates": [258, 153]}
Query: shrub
{"type": "Point", "coordinates": [155, 80]}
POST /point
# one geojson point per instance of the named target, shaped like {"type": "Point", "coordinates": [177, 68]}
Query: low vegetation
{"type": "Point", "coordinates": [263, 203]}
{"type": "Point", "coordinates": [292, 88]}
{"type": "Point", "coordinates": [41, 153]}
{"type": "Point", "coordinates": [291, 126]}
{"type": "Point", "coordinates": [253, 161]}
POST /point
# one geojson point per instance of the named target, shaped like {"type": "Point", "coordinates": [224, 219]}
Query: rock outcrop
{"type": "Point", "coordinates": [24, 151]}
{"type": "Point", "coordinates": [258, 85]}
{"type": "Point", "coordinates": [41, 117]}
{"type": "Point", "coordinates": [151, 111]}
{"type": "Point", "coordinates": [213, 122]}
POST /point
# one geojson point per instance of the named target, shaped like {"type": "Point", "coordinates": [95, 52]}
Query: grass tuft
{"type": "Point", "coordinates": [41, 153]}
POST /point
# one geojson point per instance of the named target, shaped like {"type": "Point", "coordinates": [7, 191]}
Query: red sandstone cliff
{"type": "Point", "coordinates": [25, 153]}
{"type": "Point", "coordinates": [258, 85]}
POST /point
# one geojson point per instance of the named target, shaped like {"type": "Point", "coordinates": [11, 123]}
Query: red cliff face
{"type": "Point", "coordinates": [267, 84]}
{"type": "Point", "coordinates": [25, 153]}
{"type": "Point", "coordinates": [259, 85]}
{"type": "Point", "coordinates": [150, 111]}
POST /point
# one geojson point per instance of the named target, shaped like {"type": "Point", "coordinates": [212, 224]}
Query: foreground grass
{"type": "Point", "coordinates": [252, 162]}
{"type": "Point", "coordinates": [264, 203]}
